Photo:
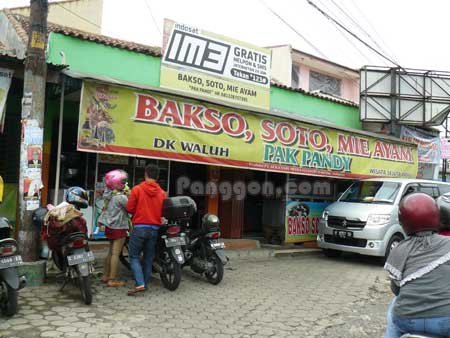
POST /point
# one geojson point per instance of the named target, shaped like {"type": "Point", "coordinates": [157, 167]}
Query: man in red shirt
{"type": "Point", "coordinates": [145, 203]}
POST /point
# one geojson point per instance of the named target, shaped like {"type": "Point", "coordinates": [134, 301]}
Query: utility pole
{"type": "Point", "coordinates": [33, 105]}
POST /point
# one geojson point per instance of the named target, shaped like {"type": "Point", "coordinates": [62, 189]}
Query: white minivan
{"type": "Point", "coordinates": [364, 219]}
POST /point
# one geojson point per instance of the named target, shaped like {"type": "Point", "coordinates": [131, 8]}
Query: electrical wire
{"type": "Point", "coordinates": [373, 29]}
{"type": "Point", "coordinates": [358, 25]}
{"type": "Point", "coordinates": [351, 33]}
{"type": "Point", "coordinates": [153, 17]}
{"type": "Point", "coordinates": [345, 35]}
{"type": "Point", "coordinates": [77, 15]}
{"type": "Point", "coordinates": [294, 30]}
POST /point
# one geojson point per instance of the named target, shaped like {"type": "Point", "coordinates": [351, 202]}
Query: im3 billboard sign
{"type": "Point", "coordinates": [215, 67]}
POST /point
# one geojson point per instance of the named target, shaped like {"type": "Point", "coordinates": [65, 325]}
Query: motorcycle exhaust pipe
{"type": "Point", "coordinates": [22, 282]}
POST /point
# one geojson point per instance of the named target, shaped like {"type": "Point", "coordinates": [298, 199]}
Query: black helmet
{"type": "Point", "coordinates": [443, 203]}
{"type": "Point", "coordinates": [78, 197]}
{"type": "Point", "coordinates": [211, 222]}
{"type": "Point", "coordinates": [39, 216]}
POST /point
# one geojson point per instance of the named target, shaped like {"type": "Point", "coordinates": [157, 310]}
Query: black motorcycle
{"type": "Point", "coordinates": [203, 251]}
{"type": "Point", "coordinates": [168, 256]}
{"type": "Point", "coordinates": [10, 282]}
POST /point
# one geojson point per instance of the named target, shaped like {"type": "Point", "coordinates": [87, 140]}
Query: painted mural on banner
{"type": "Point", "coordinates": [215, 67]}
{"type": "Point", "coordinates": [119, 120]}
{"type": "Point", "coordinates": [5, 82]}
{"type": "Point", "coordinates": [302, 220]}
{"type": "Point", "coordinates": [428, 143]}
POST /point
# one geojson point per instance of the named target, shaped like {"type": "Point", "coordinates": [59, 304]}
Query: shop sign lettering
{"type": "Point", "coordinates": [123, 121]}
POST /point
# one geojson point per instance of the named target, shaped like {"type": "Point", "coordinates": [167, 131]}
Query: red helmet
{"type": "Point", "coordinates": [418, 212]}
{"type": "Point", "coordinates": [116, 179]}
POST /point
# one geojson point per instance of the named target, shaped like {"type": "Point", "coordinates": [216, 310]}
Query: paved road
{"type": "Point", "coordinates": [286, 297]}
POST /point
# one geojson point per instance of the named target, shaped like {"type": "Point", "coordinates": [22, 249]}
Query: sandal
{"type": "Point", "coordinates": [136, 289]}
{"type": "Point", "coordinates": [105, 279]}
{"type": "Point", "coordinates": [115, 283]}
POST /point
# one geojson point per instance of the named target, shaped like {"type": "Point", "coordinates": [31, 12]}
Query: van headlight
{"type": "Point", "coordinates": [378, 219]}
{"type": "Point", "coordinates": [325, 214]}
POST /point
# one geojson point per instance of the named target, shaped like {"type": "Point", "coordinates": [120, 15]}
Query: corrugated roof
{"type": "Point", "coordinates": [21, 24]}
{"type": "Point", "coordinates": [318, 95]}
{"type": "Point", "coordinates": [4, 51]}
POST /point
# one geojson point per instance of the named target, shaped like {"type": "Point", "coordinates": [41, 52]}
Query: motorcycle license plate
{"type": "Point", "coordinates": [342, 234]}
{"type": "Point", "coordinates": [9, 262]}
{"type": "Point", "coordinates": [175, 241]}
{"type": "Point", "coordinates": [218, 246]}
{"type": "Point", "coordinates": [84, 257]}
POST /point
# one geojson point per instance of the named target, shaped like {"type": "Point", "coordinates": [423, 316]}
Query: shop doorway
{"type": "Point", "coordinates": [253, 205]}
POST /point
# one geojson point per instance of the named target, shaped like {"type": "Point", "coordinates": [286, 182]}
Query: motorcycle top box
{"type": "Point", "coordinates": [179, 208]}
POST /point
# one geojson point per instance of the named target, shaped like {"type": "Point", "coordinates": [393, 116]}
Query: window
{"type": "Point", "coordinates": [444, 189]}
{"type": "Point", "coordinates": [430, 190]}
{"type": "Point", "coordinates": [324, 83]}
{"type": "Point", "coordinates": [371, 192]}
{"type": "Point", "coordinates": [295, 76]}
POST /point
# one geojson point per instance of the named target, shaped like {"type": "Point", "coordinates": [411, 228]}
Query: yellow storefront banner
{"type": "Point", "coordinates": [119, 120]}
{"type": "Point", "coordinates": [212, 66]}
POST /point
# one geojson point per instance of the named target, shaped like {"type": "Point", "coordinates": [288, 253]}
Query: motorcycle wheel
{"type": "Point", "coordinates": [215, 277]}
{"type": "Point", "coordinates": [85, 288]}
{"type": "Point", "coordinates": [170, 274]}
{"type": "Point", "coordinates": [124, 258]}
{"type": "Point", "coordinates": [10, 307]}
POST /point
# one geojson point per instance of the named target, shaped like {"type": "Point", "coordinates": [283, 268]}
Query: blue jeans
{"type": "Point", "coordinates": [142, 240]}
{"type": "Point", "coordinates": [397, 326]}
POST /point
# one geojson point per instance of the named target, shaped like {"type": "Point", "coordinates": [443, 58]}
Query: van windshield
{"type": "Point", "coordinates": [371, 192]}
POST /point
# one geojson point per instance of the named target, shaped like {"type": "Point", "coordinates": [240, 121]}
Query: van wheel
{"type": "Point", "coordinates": [332, 253]}
{"type": "Point", "coordinates": [395, 240]}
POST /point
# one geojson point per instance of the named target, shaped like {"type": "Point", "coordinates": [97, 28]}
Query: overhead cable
{"type": "Point", "coordinates": [77, 15]}
{"type": "Point", "coordinates": [374, 30]}
{"type": "Point", "coordinates": [153, 18]}
{"type": "Point", "coordinates": [294, 30]}
{"type": "Point", "coordinates": [352, 34]}
{"type": "Point", "coordinates": [346, 37]}
{"type": "Point", "coordinates": [358, 25]}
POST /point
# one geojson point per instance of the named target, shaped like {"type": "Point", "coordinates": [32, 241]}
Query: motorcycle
{"type": "Point", "coordinates": [168, 256]}
{"type": "Point", "coordinates": [203, 252]}
{"type": "Point", "coordinates": [64, 229]}
{"type": "Point", "coordinates": [10, 282]}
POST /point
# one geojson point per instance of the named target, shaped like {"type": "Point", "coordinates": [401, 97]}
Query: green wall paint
{"type": "Point", "coordinates": [314, 107]}
{"type": "Point", "coordinates": [97, 59]}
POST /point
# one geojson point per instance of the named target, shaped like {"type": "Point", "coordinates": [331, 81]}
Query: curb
{"type": "Point", "coordinates": [250, 254]}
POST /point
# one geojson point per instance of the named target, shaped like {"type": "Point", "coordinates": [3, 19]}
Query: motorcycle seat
{"type": "Point", "coordinates": [8, 241]}
{"type": "Point", "coordinates": [197, 233]}
{"type": "Point", "coordinates": [74, 235]}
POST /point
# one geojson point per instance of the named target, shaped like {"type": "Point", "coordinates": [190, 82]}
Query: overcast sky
{"type": "Point", "coordinates": [412, 32]}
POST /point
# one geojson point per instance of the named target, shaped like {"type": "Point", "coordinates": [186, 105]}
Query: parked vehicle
{"type": "Point", "coordinates": [203, 251]}
{"type": "Point", "coordinates": [168, 256]}
{"type": "Point", "coordinates": [10, 282]}
{"type": "Point", "coordinates": [364, 219]}
{"type": "Point", "coordinates": [64, 229]}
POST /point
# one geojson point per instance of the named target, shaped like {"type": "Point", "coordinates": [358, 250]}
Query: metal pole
{"type": "Point", "coordinates": [393, 101]}
{"type": "Point", "coordinates": [168, 179]}
{"type": "Point", "coordinates": [444, 161]}
{"type": "Point", "coordinates": [33, 108]}
{"type": "Point", "coordinates": [58, 154]}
